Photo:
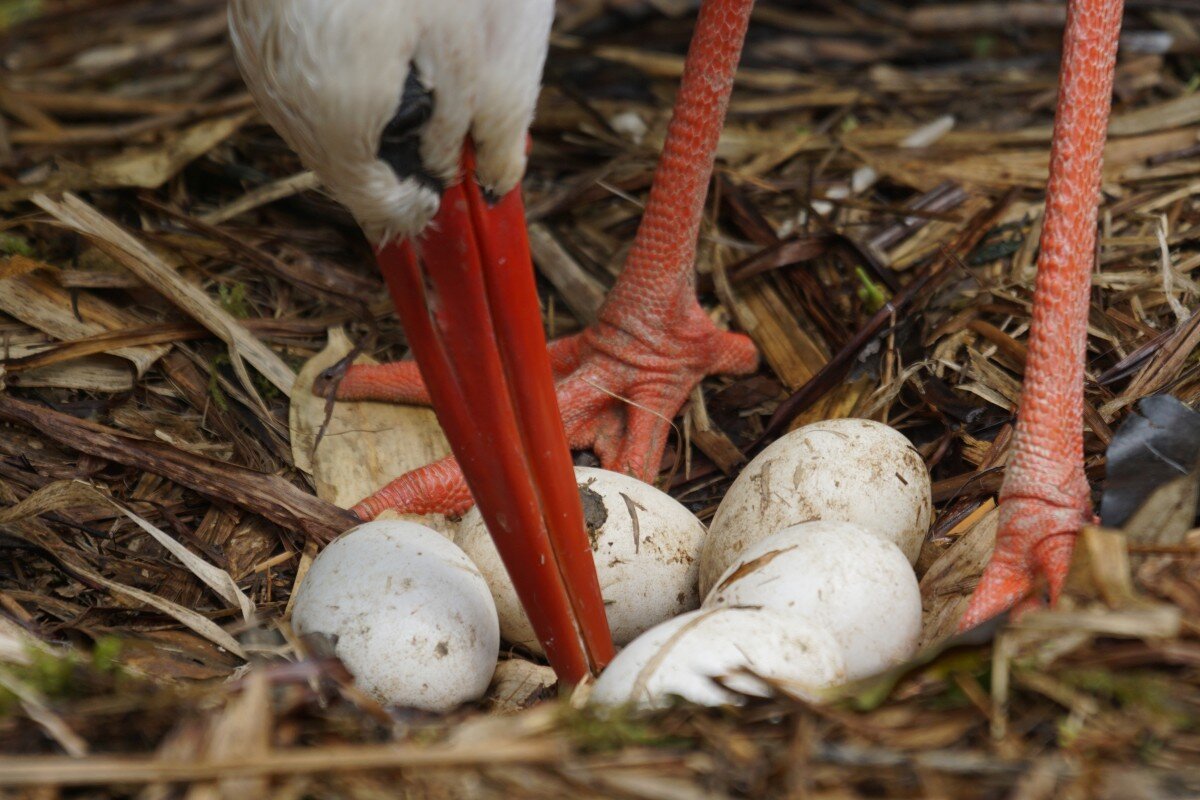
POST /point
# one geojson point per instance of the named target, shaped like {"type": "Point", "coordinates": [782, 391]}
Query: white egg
{"type": "Point", "coordinates": [646, 547]}
{"type": "Point", "coordinates": [410, 615]}
{"type": "Point", "coordinates": [681, 657]}
{"type": "Point", "coordinates": [855, 470]}
{"type": "Point", "coordinates": [857, 585]}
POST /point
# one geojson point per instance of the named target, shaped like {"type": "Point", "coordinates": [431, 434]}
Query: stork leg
{"type": "Point", "coordinates": [622, 380]}
{"type": "Point", "coordinates": [1045, 498]}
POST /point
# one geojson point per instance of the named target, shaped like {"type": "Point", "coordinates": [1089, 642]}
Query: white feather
{"type": "Point", "coordinates": [328, 75]}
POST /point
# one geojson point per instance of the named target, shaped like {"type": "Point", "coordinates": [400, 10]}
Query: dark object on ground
{"type": "Point", "coordinates": [1158, 443]}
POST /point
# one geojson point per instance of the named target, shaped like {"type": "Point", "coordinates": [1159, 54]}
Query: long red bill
{"type": "Point", "coordinates": [467, 298]}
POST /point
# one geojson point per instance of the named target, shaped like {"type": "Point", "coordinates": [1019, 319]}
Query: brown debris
{"type": "Point", "coordinates": [169, 274]}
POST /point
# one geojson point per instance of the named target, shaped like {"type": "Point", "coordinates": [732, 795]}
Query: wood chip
{"type": "Point", "coordinates": [123, 247]}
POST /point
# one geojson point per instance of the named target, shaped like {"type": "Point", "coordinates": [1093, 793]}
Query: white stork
{"type": "Point", "coordinates": [414, 114]}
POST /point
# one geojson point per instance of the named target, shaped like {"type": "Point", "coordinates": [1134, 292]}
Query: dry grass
{"type": "Point", "coordinates": [168, 267]}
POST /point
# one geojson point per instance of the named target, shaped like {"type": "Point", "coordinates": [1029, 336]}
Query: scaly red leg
{"type": "Point", "coordinates": [622, 380]}
{"type": "Point", "coordinates": [1045, 497]}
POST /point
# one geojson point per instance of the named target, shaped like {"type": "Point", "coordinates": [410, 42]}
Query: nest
{"type": "Point", "coordinates": [168, 267]}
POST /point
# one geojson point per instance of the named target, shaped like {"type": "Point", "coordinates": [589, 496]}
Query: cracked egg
{"type": "Point", "coordinates": [859, 586]}
{"type": "Point", "coordinates": [646, 546]}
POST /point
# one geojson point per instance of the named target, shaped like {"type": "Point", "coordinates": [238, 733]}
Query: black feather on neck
{"type": "Point", "coordinates": [400, 144]}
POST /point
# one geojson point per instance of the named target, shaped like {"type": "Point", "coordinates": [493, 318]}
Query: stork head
{"type": "Point", "coordinates": [379, 98]}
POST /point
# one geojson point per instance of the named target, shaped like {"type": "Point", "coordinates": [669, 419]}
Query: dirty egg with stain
{"type": "Point", "coordinates": [707, 657]}
{"type": "Point", "coordinates": [857, 585]}
{"type": "Point", "coordinates": [853, 470]}
{"type": "Point", "coordinates": [411, 616]}
{"type": "Point", "coordinates": [645, 544]}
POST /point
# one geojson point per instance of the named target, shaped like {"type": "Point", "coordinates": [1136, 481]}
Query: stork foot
{"type": "Point", "coordinates": [618, 390]}
{"type": "Point", "coordinates": [1034, 543]}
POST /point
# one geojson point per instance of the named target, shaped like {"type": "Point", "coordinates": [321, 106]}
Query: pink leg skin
{"type": "Point", "coordinates": [622, 380]}
{"type": "Point", "coordinates": [1045, 498]}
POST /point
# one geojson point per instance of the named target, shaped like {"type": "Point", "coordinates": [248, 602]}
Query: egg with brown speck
{"type": "Point", "coordinates": [852, 470]}
{"type": "Point", "coordinates": [407, 612]}
{"type": "Point", "coordinates": [646, 548]}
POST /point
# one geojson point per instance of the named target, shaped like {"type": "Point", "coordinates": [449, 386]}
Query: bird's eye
{"type": "Point", "coordinates": [400, 142]}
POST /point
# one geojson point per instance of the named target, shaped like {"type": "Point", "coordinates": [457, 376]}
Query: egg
{"type": "Point", "coordinates": [681, 657]}
{"type": "Point", "coordinates": [859, 586]}
{"type": "Point", "coordinates": [854, 470]}
{"type": "Point", "coordinates": [646, 548]}
{"type": "Point", "coordinates": [409, 615]}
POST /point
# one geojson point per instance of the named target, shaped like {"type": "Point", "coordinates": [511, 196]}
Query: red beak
{"type": "Point", "coordinates": [466, 296]}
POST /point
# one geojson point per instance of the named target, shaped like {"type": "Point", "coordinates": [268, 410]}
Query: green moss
{"type": "Point", "coordinates": [870, 693]}
{"type": "Point", "coordinates": [61, 675]}
{"type": "Point", "coordinates": [14, 11]}
{"type": "Point", "coordinates": [105, 653]}
{"type": "Point", "coordinates": [11, 244]}
{"type": "Point", "coordinates": [50, 673]}
{"type": "Point", "coordinates": [1069, 729]}
{"type": "Point", "coordinates": [607, 729]}
{"type": "Point", "coordinates": [214, 381]}
{"type": "Point", "coordinates": [871, 293]}
{"type": "Point", "coordinates": [984, 45]}
{"type": "Point", "coordinates": [266, 389]}
{"type": "Point", "coordinates": [233, 299]}
{"type": "Point", "coordinates": [1131, 690]}
{"type": "Point", "coordinates": [1150, 748]}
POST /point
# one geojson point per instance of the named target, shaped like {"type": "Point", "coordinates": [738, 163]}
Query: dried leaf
{"type": "Point", "coordinates": [518, 684]}
{"type": "Point", "coordinates": [142, 167]}
{"type": "Point", "coordinates": [1101, 565]}
{"type": "Point", "coordinates": [365, 445]}
{"type": "Point", "coordinates": [1168, 514]}
{"type": "Point", "coordinates": [149, 168]}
